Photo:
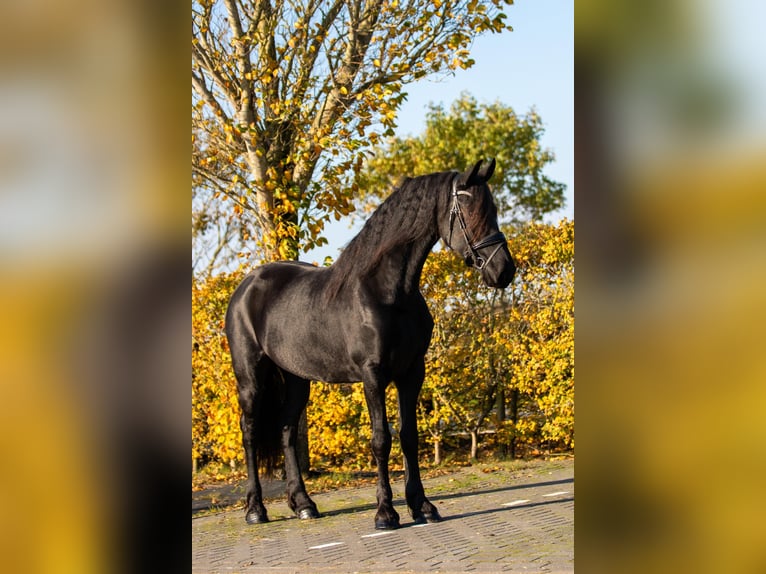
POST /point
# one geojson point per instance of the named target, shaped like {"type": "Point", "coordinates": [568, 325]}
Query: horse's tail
{"type": "Point", "coordinates": [260, 387]}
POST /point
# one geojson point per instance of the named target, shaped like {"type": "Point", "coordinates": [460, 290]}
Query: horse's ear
{"type": "Point", "coordinates": [469, 176]}
{"type": "Point", "coordinates": [479, 173]}
{"type": "Point", "coordinates": [486, 171]}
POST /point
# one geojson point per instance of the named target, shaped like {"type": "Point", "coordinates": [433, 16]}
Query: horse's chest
{"type": "Point", "coordinates": [410, 335]}
{"type": "Point", "coordinates": [412, 329]}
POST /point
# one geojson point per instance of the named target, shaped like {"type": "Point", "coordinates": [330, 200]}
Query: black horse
{"type": "Point", "coordinates": [362, 319]}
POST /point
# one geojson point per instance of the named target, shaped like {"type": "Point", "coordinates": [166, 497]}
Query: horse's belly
{"type": "Point", "coordinates": [317, 353]}
{"type": "Point", "coordinates": [336, 341]}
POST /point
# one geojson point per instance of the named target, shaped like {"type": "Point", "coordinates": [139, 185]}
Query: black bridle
{"type": "Point", "coordinates": [471, 253]}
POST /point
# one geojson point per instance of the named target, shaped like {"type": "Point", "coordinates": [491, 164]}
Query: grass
{"type": "Point", "coordinates": [216, 474]}
{"type": "Point", "coordinates": [327, 479]}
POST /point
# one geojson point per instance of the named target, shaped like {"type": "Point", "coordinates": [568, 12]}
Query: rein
{"type": "Point", "coordinates": [472, 250]}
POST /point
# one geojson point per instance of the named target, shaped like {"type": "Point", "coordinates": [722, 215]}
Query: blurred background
{"type": "Point", "coordinates": [94, 361]}
{"type": "Point", "coordinates": [670, 135]}
{"type": "Point", "coordinates": [94, 268]}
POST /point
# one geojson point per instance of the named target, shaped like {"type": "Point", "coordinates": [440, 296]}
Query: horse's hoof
{"type": "Point", "coordinates": [433, 516]}
{"type": "Point", "coordinates": [424, 517]}
{"type": "Point", "coordinates": [308, 513]}
{"type": "Point", "coordinates": [255, 518]}
{"type": "Point", "coordinates": [386, 524]}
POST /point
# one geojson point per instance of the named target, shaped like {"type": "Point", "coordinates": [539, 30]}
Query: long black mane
{"type": "Point", "coordinates": [406, 216]}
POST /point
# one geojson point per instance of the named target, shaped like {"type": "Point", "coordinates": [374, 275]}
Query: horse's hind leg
{"type": "Point", "coordinates": [253, 371]}
{"type": "Point", "coordinates": [249, 401]}
{"type": "Point", "coordinates": [296, 397]}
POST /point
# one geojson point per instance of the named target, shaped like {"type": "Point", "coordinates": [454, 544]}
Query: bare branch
{"type": "Point", "coordinates": [301, 86]}
{"type": "Point", "coordinates": [204, 92]}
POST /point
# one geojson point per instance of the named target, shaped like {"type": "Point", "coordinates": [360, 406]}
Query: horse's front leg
{"type": "Point", "coordinates": [408, 389]}
{"type": "Point", "coordinates": [386, 518]}
{"type": "Point", "coordinates": [296, 397]}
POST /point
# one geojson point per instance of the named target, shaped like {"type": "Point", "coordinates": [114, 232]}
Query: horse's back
{"type": "Point", "coordinates": [257, 291]}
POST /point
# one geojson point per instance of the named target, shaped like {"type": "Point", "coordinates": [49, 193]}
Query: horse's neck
{"type": "Point", "coordinates": [398, 273]}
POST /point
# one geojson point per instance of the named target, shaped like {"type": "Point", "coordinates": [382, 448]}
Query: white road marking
{"type": "Point", "coordinates": [328, 545]}
{"type": "Point", "coordinates": [557, 493]}
{"type": "Point", "coordinates": [374, 534]}
{"type": "Point", "coordinates": [515, 503]}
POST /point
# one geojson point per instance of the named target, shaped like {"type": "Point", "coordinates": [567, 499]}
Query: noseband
{"type": "Point", "coordinates": [472, 249]}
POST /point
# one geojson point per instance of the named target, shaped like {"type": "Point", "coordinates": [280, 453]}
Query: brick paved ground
{"type": "Point", "coordinates": [500, 521]}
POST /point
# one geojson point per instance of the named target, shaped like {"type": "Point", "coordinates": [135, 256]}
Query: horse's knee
{"type": "Point", "coordinates": [381, 443]}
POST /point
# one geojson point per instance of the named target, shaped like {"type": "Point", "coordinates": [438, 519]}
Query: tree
{"type": "Point", "coordinates": [288, 94]}
{"type": "Point", "coordinates": [464, 369]}
{"type": "Point", "coordinates": [509, 351]}
{"type": "Point", "coordinates": [455, 138]}
{"type": "Point", "coordinates": [539, 334]}
{"type": "Point", "coordinates": [471, 361]}
{"type": "Point", "coordinates": [215, 412]}
{"type": "Point", "coordinates": [219, 234]}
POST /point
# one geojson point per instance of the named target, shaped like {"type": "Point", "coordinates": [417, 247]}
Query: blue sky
{"type": "Point", "coordinates": [531, 66]}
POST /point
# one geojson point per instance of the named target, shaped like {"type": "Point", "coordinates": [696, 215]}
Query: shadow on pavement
{"type": "Point", "coordinates": [436, 498]}
{"type": "Point", "coordinates": [504, 508]}
{"type": "Point", "coordinates": [229, 496]}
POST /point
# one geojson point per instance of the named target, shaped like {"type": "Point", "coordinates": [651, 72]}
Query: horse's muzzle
{"type": "Point", "coordinates": [499, 278]}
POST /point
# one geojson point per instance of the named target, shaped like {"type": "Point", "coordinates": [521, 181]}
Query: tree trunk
{"type": "Point", "coordinates": [514, 418]}
{"type": "Point", "coordinates": [437, 451]}
{"type": "Point", "coordinates": [500, 419]}
{"type": "Point", "coordinates": [474, 444]}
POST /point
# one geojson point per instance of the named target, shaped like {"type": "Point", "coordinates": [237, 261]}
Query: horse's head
{"type": "Point", "coordinates": [471, 227]}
